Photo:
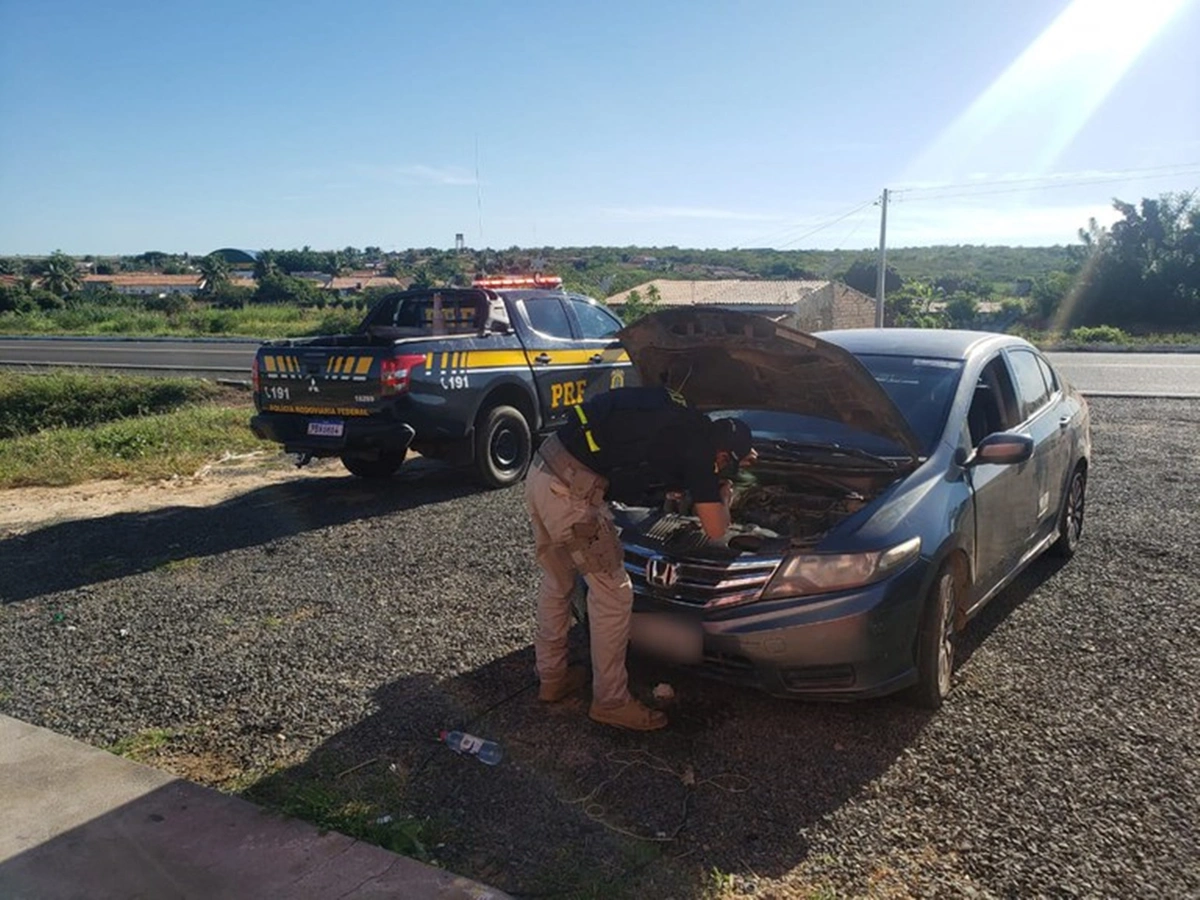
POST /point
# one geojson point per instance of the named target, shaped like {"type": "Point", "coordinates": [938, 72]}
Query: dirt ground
{"type": "Point", "coordinates": [27, 509]}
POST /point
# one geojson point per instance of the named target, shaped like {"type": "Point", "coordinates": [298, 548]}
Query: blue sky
{"type": "Point", "coordinates": [127, 126]}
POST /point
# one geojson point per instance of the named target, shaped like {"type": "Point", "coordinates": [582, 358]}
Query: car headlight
{"type": "Point", "coordinates": [821, 573]}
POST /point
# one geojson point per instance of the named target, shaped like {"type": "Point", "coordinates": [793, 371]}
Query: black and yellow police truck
{"type": "Point", "coordinates": [469, 375]}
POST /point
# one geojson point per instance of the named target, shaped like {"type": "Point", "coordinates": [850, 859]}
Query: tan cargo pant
{"type": "Point", "coordinates": [574, 534]}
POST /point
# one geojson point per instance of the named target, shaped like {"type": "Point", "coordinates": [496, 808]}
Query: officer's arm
{"type": "Point", "coordinates": [714, 518]}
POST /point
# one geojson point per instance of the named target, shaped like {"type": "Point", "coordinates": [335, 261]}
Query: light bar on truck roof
{"type": "Point", "coordinates": [498, 282]}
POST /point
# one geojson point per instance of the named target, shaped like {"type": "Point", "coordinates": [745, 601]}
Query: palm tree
{"type": "Point", "coordinates": [59, 274]}
{"type": "Point", "coordinates": [214, 273]}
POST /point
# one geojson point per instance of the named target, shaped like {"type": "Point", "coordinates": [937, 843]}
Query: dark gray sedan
{"type": "Point", "coordinates": [903, 478]}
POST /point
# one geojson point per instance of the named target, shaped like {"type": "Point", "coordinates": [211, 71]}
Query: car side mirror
{"type": "Point", "coordinates": [1004, 448]}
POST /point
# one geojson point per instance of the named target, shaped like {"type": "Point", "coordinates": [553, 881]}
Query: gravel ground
{"type": "Point", "coordinates": [278, 640]}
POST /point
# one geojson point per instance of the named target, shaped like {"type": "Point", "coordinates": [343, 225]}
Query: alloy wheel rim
{"type": "Point", "coordinates": [505, 448]}
{"type": "Point", "coordinates": [946, 641]}
{"type": "Point", "coordinates": [1075, 510]}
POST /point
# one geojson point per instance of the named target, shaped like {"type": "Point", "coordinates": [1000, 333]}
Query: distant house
{"type": "Point", "coordinates": [144, 284]}
{"type": "Point", "coordinates": [806, 305]}
{"type": "Point", "coordinates": [357, 282]}
{"type": "Point", "coordinates": [152, 284]}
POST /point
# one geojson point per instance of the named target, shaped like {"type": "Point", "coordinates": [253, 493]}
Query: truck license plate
{"type": "Point", "coordinates": [326, 428]}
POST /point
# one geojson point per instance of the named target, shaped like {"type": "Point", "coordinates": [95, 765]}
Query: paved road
{"type": "Point", "coordinates": [1151, 373]}
{"type": "Point", "coordinates": [211, 359]}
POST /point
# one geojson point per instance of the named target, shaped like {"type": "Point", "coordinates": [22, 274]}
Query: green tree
{"type": "Point", "coordinates": [1144, 271]}
{"type": "Point", "coordinates": [265, 265]}
{"type": "Point", "coordinates": [863, 275]}
{"type": "Point", "coordinates": [636, 306]}
{"type": "Point", "coordinates": [59, 274]}
{"type": "Point", "coordinates": [214, 274]}
{"type": "Point", "coordinates": [962, 309]}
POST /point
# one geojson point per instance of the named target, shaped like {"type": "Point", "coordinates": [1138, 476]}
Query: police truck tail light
{"type": "Point", "coordinates": [394, 373]}
{"type": "Point", "coordinates": [255, 378]}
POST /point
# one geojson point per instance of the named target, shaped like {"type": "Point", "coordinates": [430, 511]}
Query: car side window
{"type": "Point", "coordinates": [1048, 374]}
{"type": "Point", "coordinates": [1031, 386]}
{"type": "Point", "coordinates": [547, 316]}
{"type": "Point", "coordinates": [993, 404]}
{"type": "Point", "coordinates": [596, 322]}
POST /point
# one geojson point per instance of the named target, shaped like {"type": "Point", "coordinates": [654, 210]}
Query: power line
{"type": "Point", "coordinates": [825, 225]}
{"type": "Point", "coordinates": [966, 189]}
{"type": "Point", "coordinates": [771, 238]}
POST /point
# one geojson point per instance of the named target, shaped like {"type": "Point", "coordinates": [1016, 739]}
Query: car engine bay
{"type": "Point", "coordinates": [776, 507]}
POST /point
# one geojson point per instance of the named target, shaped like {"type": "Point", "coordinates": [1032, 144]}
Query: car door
{"type": "Point", "coordinates": [1064, 410]}
{"type": "Point", "coordinates": [608, 364]}
{"type": "Point", "coordinates": [1000, 493]}
{"type": "Point", "coordinates": [1041, 489]}
{"type": "Point", "coordinates": [559, 368]}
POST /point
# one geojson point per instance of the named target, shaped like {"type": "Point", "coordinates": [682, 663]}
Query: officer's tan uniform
{"type": "Point", "coordinates": [574, 535]}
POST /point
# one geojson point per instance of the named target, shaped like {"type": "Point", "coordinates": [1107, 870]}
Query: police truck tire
{"type": "Point", "coordinates": [383, 467]}
{"type": "Point", "coordinates": [503, 446]}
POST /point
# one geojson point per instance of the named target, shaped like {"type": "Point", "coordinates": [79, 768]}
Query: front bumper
{"type": "Point", "coordinates": [845, 646]}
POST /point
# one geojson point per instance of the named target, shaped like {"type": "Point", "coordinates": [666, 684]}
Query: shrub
{"type": "Point", "coordinates": [1098, 334]}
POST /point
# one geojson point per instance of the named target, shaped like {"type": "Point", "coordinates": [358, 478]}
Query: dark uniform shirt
{"type": "Point", "coordinates": [645, 441]}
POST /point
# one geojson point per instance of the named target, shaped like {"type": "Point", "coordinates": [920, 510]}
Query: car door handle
{"type": "Point", "coordinates": [596, 358]}
{"type": "Point", "coordinates": [1064, 421]}
{"type": "Point", "coordinates": [543, 358]}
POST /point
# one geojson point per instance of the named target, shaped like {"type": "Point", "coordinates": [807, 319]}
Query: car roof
{"type": "Point", "coordinates": [938, 343]}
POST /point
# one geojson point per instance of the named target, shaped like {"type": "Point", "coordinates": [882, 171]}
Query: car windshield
{"type": "Point", "coordinates": [921, 388]}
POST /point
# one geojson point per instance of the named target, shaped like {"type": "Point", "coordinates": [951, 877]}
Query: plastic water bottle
{"type": "Point", "coordinates": [460, 742]}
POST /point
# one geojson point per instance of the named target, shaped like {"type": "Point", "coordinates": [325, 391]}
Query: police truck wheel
{"type": "Point", "coordinates": [383, 467]}
{"type": "Point", "coordinates": [502, 446]}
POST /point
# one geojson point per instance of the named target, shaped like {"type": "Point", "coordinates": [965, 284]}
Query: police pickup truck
{"type": "Point", "coordinates": [469, 375]}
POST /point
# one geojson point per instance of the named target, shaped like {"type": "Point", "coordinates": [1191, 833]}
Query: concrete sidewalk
{"type": "Point", "coordinates": [79, 822]}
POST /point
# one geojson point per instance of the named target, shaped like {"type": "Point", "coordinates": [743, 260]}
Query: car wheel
{"type": "Point", "coordinates": [502, 446]}
{"type": "Point", "coordinates": [1070, 520]}
{"type": "Point", "coordinates": [936, 642]}
{"type": "Point", "coordinates": [383, 467]}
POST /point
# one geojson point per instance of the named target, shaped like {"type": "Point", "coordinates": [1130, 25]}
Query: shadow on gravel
{"type": "Point", "coordinates": [73, 554]}
{"type": "Point", "coordinates": [1003, 604]}
{"type": "Point", "coordinates": [725, 794]}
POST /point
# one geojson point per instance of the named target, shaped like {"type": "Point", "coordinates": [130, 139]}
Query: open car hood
{"type": "Point", "coordinates": [723, 359]}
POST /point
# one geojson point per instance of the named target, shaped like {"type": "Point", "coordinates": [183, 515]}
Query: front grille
{"type": "Point", "coordinates": [695, 582]}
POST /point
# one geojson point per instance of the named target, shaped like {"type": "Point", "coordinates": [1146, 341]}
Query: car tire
{"type": "Point", "coordinates": [936, 642]}
{"type": "Point", "coordinates": [1070, 519]}
{"type": "Point", "coordinates": [383, 467]}
{"type": "Point", "coordinates": [503, 446]}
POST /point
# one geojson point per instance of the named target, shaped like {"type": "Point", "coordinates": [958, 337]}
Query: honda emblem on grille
{"type": "Point", "coordinates": [661, 572]}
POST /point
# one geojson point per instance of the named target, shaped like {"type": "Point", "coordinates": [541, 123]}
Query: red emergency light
{"type": "Point", "coordinates": [517, 281]}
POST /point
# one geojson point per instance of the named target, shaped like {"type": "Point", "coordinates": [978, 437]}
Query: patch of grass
{"type": "Point", "coordinates": [147, 448]}
{"type": "Point", "coordinates": [368, 807]}
{"type": "Point", "coordinates": [72, 399]}
{"type": "Point", "coordinates": [143, 744]}
{"type": "Point", "coordinates": [718, 884]}
{"type": "Point", "coordinates": [180, 565]}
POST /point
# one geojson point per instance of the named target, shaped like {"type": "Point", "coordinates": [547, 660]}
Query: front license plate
{"type": "Point", "coordinates": [674, 638]}
{"type": "Point", "coordinates": [326, 428]}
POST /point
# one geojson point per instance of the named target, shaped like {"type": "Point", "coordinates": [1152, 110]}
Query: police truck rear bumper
{"type": "Point", "coordinates": [360, 436]}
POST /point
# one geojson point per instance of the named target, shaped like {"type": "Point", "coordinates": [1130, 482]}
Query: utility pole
{"type": "Point", "coordinates": [881, 276]}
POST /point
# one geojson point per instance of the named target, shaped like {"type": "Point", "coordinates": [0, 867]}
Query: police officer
{"type": "Point", "coordinates": [621, 445]}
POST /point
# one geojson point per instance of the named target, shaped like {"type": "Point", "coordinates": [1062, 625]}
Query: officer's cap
{"type": "Point", "coordinates": [733, 435]}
